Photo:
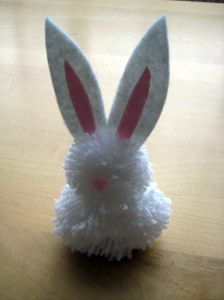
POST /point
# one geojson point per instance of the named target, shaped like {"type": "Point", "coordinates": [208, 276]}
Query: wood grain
{"type": "Point", "coordinates": [186, 149]}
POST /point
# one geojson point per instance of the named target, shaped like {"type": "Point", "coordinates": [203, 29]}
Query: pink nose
{"type": "Point", "coordinates": [99, 183]}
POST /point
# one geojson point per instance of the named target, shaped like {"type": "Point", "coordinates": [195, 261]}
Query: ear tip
{"type": "Point", "coordinates": [163, 18]}
{"type": "Point", "coordinates": [159, 27]}
{"type": "Point", "coordinates": [50, 25]}
{"type": "Point", "coordinates": [52, 29]}
{"type": "Point", "coordinates": [161, 21]}
{"type": "Point", "coordinates": [48, 21]}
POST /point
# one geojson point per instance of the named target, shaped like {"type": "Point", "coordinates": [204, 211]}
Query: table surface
{"type": "Point", "coordinates": [186, 149]}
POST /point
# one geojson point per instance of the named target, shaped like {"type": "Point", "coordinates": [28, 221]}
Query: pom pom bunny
{"type": "Point", "coordinates": [111, 204]}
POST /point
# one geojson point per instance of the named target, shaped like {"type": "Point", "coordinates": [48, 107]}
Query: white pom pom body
{"type": "Point", "coordinates": [124, 213]}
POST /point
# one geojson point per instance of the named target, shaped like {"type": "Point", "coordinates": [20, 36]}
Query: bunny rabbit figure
{"type": "Point", "coordinates": [111, 204]}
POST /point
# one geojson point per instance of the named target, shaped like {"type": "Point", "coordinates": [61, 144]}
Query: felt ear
{"type": "Point", "coordinates": [143, 87]}
{"type": "Point", "coordinates": [77, 91]}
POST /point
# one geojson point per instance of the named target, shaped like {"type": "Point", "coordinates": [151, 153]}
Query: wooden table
{"type": "Point", "coordinates": [186, 149]}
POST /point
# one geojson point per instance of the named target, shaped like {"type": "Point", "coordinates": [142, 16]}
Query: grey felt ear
{"type": "Point", "coordinates": [143, 87]}
{"type": "Point", "coordinates": [78, 94]}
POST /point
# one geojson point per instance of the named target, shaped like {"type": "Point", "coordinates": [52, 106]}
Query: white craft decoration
{"type": "Point", "coordinates": [111, 203]}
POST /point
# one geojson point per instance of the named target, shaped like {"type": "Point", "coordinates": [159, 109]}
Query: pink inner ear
{"type": "Point", "coordinates": [80, 100]}
{"type": "Point", "coordinates": [134, 108]}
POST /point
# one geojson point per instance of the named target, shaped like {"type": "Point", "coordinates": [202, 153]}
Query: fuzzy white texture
{"type": "Point", "coordinates": [127, 214]}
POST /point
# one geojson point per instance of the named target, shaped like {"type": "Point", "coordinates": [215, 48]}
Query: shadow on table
{"type": "Point", "coordinates": [96, 274]}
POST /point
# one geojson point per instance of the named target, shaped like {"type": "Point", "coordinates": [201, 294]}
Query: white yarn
{"type": "Point", "coordinates": [127, 214]}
